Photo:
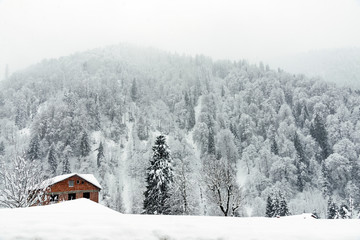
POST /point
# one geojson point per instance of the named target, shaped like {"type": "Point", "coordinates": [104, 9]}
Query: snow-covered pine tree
{"type": "Point", "coordinates": [270, 211]}
{"type": "Point", "coordinates": [319, 133]}
{"type": "Point", "coordinates": [34, 148]}
{"type": "Point", "coordinates": [276, 205]}
{"type": "Point", "coordinates": [301, 163]}
{"type": "Point", "coordinates": [159, 179]}
{"type": "Point", "coordinates": [85, 145]}
{"type": "Point", "coordinates": [211, 142]}
{"type": "Point", "coordinates": [66, 165]}
{"type": "Point", "coordinates": [100, 154]}
{"type": "Point", "coordinates": [283, 209]}
{"type": "Point", "coordinates": [52, 159]}
{"type": "Point", "coordinates": [134, 91]}
{"type": "Point", "coordinates": [274, 147]}
{"type": "Point", "coordinates": [332, 209]}
{"type": "Point", "coordinates": [344, 211]}
{"type": "Point", "coordinates": [2, 148]}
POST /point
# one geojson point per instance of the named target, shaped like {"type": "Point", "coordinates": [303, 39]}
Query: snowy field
{"type": "Point", "coordinates": [84, 219]}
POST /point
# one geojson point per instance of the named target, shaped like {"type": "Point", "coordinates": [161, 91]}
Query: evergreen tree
{"type": "Point", "coordinates": [190, 112]}
{"type": "Point", "coordinates": [270, 211]}
{"type": "Point", "coordinates": [85, 145]}
{"type": "Point", "coordinates": [333, 211]}
{"type": "Point", "coordinates": [2, 148]}
{"type": "Point", "coordinates": [142, 129]}
{"type": "Point", "coordinates": [211, 142]}
{"type": "Point", "coordinates": [274, 147]}
{"type": "Point", "coordinates": [134, 91]}
{"type": "Point", "coordinates": [100, 154]}
{"type": "Point", "coordinates": [233, 130]}
{"type": "Point", "coordinates": [319, 133]}
{"type": "Point", "coordinates": [159, 179]}
{"type": "Point", "coordinates": [344, 211]}
{"type": "Point", "coordinates": [283, 208]}
{"type": "Point", "coordinates": [191, 120]}
{"type": "Point", "coordinates": [52, 159]}
{"type": "Point", "coordinates": [66, 165]}
{"type": "Point", "coordinates": [276, 205]}
{"type": "Point", "coordinates": [325, 184]}
{"type": "Point", "coordinates": [300, 150]}
{"type": "Point", "coordinates": [33, 152]}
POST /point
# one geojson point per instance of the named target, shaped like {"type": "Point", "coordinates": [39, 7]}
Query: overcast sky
{"type": "Point", "coordinates": [31, 30]}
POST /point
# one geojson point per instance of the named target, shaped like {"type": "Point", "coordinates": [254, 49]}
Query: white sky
{"type": "Point", "coordinates": [31, 30]}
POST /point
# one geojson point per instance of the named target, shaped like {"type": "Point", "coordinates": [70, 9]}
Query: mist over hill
{"type": "Point", "coordinates": [341, 66]}
{"type": "Point", "coordinates": [278, 132]}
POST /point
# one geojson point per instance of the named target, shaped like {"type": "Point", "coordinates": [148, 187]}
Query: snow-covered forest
{"type": "Point", "coordinates": [259, 130]}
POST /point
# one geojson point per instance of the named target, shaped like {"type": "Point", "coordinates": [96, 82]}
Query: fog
{"type": "Point", "coordinates": [251, 29]}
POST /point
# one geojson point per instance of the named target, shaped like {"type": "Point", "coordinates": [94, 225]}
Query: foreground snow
{"type": "Point", "coordinates": [84, 219]}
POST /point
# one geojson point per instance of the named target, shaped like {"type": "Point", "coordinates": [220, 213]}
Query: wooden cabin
{"type": "Point", "coordinates": [72, 186]}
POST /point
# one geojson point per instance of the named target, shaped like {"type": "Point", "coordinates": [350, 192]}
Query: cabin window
{"type": "Point", "coordinates": [72, 196]}
{"type": "Point", "coordinates": [82, 182]}
{"type": "Point", "coordinates": [77, 181]}
{"type": "Point", "coordinates": [54, 198]}
{"type": "Point", "coordinates": [86, 195]}
{"type": "Point", "coordinates": [71, 183]}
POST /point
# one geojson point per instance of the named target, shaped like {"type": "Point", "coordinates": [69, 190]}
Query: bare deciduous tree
{"type": "Point", "coordinates": [220, 179]}
{"type": "Point", "coordinates": [21, 185]}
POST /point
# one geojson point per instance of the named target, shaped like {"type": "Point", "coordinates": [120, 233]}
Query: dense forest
{"type": "Point", "coordinates": [238, 132]}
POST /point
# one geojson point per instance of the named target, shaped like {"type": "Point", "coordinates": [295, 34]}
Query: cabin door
{"type": "Point", "coordinates": [72, 196]}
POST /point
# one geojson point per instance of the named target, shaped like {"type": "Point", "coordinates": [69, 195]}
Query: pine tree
{"type": "Point", "coordinates": [190, 112]}
{"type": "Point", "coordinates": [192, 119]}
{"type": "Point", "coordinates": [325, 184]}
{"type": "Point", "coordinates": [66, 165]}
{"type": "Point", "coordinates": [300, 162]}
{"type": "Point", "coordinates": [211, 142]}
{"type": "Point", "coordinates": [2, 148]}
{"type": "Point", "coordinates": [134, 91]}
{"type": "Point", "coordinates": [270, 211]}
{"type": "Point", "coordinates": [142, 129]}
{"type": "Point", "coordinates": [33, 152]}
{"type": "Point", "coordinates": [319, 133]}
{"type": "Point", "coordinates": [84, 145]}
{"type": "Point", "coordinates": [52, 159]}
{"type": "Point", "coordinates": [276, 205]}
{"type": "Point", "coordinates": [332, 209]}
{"type": "Point", "coordinates": [100, 154]}
{"type": "Point", "coordinates": [344, 211]}
{"type": "Point", "coordinates": [159, 179]}
{"type": "Point", "coordinates": [283, 208]}
{"type": "Point", "coordinates": [274, 147]}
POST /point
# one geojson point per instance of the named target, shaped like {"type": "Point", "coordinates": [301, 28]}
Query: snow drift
{"type": "Point", "coordinates": [84, 219]}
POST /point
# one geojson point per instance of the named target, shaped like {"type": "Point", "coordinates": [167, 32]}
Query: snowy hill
{"type": "Point", "coordinates": [84, 219]}
{"type": "Point", "coordinates": [100, 111]}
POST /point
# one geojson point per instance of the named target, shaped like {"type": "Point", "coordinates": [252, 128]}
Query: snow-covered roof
{"type": "Point", "coordinates": [88, 177]}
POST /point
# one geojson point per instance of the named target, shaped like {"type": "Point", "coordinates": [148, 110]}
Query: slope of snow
{"type": "Point", "coordinates": [84, 219]}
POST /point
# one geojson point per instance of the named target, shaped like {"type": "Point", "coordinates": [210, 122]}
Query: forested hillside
{"type": "Point", "coordinates": [255, 129]}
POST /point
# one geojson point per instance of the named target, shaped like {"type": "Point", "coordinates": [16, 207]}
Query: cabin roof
{"type": "Point", "coordinates": [88, 177]}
